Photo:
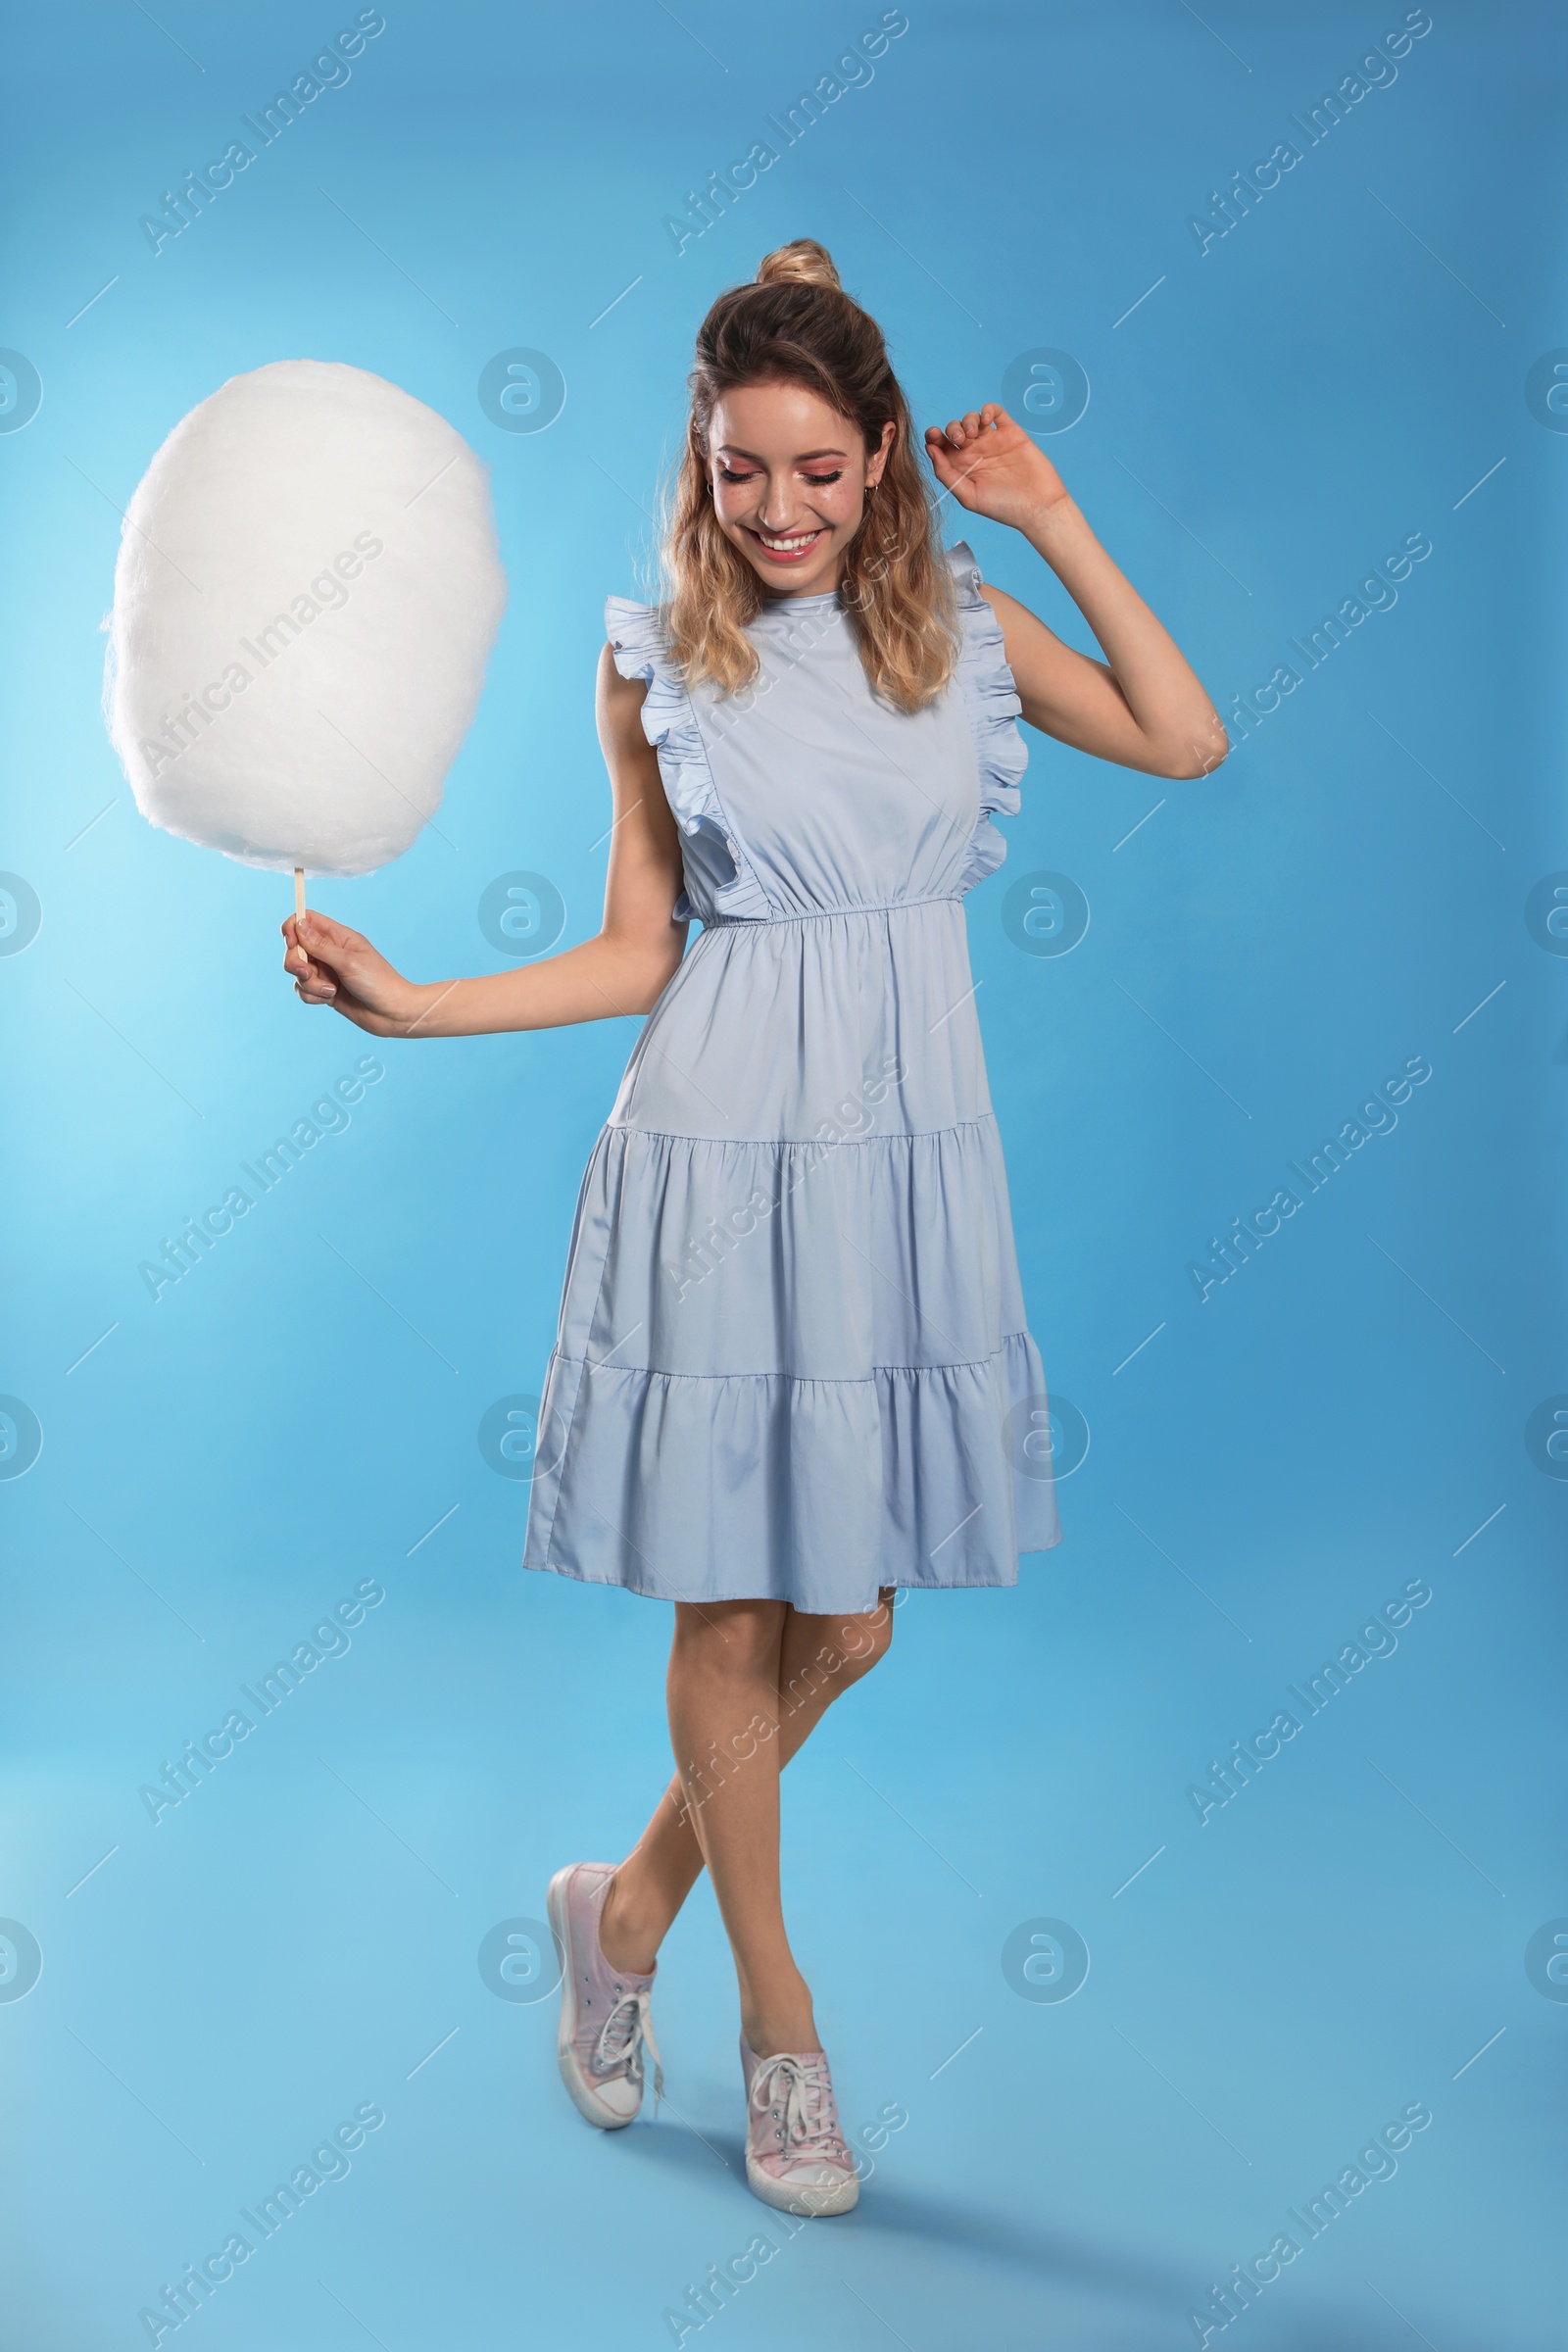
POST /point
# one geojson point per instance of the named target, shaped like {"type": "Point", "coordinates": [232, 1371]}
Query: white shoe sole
{"type": "Point", "coordinates": [578, 2089]}
{"type": "Point", "coordinates": [788, 2198]}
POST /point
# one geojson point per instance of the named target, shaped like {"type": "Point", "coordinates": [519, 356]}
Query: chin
{"type": "Point", "coordinates": [783, 579]}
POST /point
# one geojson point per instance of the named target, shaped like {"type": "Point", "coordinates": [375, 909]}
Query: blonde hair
{"type": "Point", "coordinates": [796, 325]}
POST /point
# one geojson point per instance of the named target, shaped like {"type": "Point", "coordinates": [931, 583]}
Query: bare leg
{"type": "Point", "coordinates": [748, 1680]}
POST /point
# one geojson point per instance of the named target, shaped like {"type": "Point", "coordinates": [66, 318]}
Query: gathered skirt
{"type": "Point", "coordinates": [792, 1359]}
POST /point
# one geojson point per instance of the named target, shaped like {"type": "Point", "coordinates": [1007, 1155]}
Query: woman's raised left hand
{"type": "Point", "coordinates": [992, 468]}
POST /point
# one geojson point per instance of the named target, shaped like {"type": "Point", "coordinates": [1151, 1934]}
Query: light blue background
{"type": "Point", "coordinates": [293, 1940]}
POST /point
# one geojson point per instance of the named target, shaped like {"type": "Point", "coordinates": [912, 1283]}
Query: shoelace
{"type": "Point", "coordinates": [622, 2036]}
{"type": "Point", "coordinates": [811, 2127]}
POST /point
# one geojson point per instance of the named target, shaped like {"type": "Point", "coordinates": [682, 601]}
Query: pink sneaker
{"type": "Point", "coordinates": [604, 2012]}
{"type": "Point", "coordinates": [795, 2152]}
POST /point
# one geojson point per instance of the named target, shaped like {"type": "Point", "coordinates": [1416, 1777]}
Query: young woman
{"type": "Point", "coordinates": [793, 1371]}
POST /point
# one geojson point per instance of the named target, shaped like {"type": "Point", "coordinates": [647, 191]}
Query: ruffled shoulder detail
{"type": "Point", "coordinates": [718, 878]}
{"type": "Point", "coordinates": [990, 700]}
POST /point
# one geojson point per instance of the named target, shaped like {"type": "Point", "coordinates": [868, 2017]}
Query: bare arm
{"type": "Point", "coordinates": [623, 969]}
{"type": "Point", "coordinates": [1141, 705]}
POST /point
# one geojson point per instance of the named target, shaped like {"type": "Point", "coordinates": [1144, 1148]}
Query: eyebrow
{"type": "Point", "coordinates": [733, 449]}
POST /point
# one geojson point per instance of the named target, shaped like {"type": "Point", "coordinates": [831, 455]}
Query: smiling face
{"type": "Point", "coordinates": [789, 477]}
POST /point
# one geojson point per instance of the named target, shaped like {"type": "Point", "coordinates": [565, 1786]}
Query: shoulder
{"type": "Point", "coordinates": [636, 669]}
{"type": "Point", "coordinates": [977, 598]}
{"type": "Point", "coordinates": [982, 612]}
{"type": "Point", "coordinates": [635, 637]}
{"type": "Point", "coordinates": [1005, 610]}
{"type": "Point", "coordinates": [618, 690]}
{"type": "Point", "coordinates": [965, 573]}
{"type": "Point", "coordinates": [633, 660]}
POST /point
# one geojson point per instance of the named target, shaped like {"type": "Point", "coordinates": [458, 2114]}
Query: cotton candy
{"type": "Point", "coordinates": [307, 592]}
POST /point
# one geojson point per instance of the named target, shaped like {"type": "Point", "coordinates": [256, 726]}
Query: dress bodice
{"type": "Point", "coordinates": [805, 790]}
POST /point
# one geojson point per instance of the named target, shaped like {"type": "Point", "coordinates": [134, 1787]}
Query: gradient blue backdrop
{"type": "Point", "coordinates": [1274, 416]}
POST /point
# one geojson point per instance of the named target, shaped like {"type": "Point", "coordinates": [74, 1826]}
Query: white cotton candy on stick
{"type": "Point", "coordinates": [307, 592]}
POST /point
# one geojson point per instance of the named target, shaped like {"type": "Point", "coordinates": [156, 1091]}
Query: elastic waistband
{"type": "Point", "coordinates": [817, 914]}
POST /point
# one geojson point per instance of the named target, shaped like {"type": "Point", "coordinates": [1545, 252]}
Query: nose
{"type": "Point", "coordinates": [774, 514]}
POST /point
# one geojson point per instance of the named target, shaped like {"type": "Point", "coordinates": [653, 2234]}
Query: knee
{"type": "Point", "coordinates": [862, 1641]}
{"type": "Point", "coordinates": [732, 1640]}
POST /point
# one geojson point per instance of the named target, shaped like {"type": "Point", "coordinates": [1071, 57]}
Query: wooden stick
{"type": "Point", "coordinates": [299, 890]}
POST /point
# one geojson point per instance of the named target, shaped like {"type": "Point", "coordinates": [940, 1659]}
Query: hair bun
{"type": "Point", "coordinates": [802, 263]}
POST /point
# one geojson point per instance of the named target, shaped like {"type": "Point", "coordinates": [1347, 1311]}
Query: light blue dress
{"type": "Point", "coordinates": [792, 1359]}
